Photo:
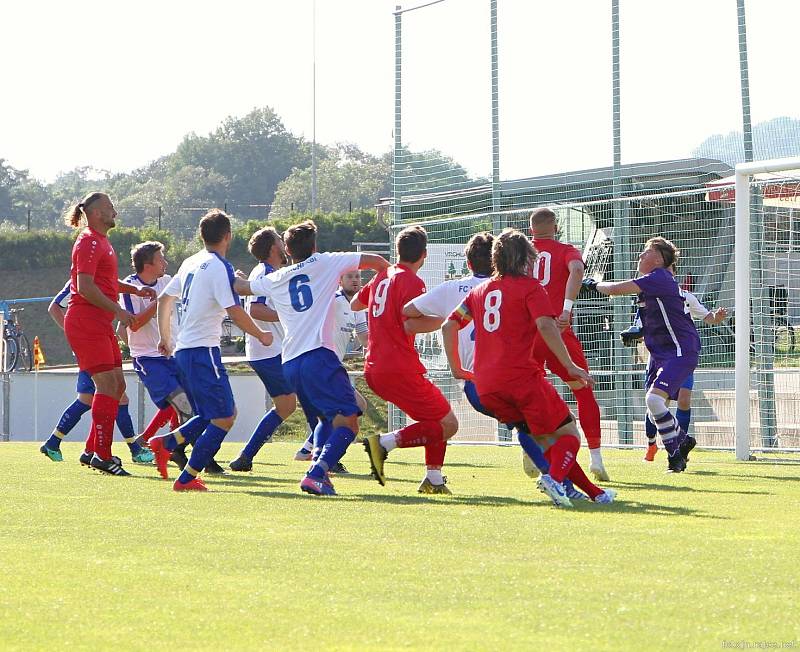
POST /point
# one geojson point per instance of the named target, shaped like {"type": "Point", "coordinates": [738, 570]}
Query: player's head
{"type": "Point", "coordinates": [266, 245]}
{"type": "Point", "coordinates": [350, 282]}
{"type": "Point", "coordinates": [148, 259]}
{"type": "Point", "coordinates": [479, 253]}
{"type": "Point", "coordinates": [95, 209]}
{"type": "Point", "coordinates": [412, 245]}
{"type": "Point", "coordinates": [543, 223]}
{"type": "Point", "coordinates": [301, 240]}
{"type": "Point", "coordinates": [513, 254]}
{"type": "Point", "coordinates": [215, 228]}
{"type": "Point", "coordinates": [658, 252]}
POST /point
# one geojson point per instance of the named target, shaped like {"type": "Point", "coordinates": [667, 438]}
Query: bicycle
{"type": "Point", "coordinates": [18, 352]}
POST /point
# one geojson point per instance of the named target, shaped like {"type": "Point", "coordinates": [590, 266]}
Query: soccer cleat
{"type": "Point", "coordinates": [303, 455]}
{"type": "Point", "coordinates": [241, 464]}
{"type": "Point", "coordinates": [377, 456]}
{"type": "Point", "coordinates": [650, 454]}
{"type": "Point", "coordinates": [317, 487]}
{"type": "Point", "coordinates": [144, 456]}
{"type": "Point", "coordinates": [178, 457]}
{"type": "Point", "coordinates": [530, 469]}
{"type": "Point", "coordinates": [52, 453]}
{"type": "Point", "coordinates": [86, 459]}
{"type": "Point", "coordinates": [606, 497]}
{"type": "Point", "coordinates": [195, 484]}
{"type": "Point", "coordinates": [213, 468]}
{"type": "Point", "coordinates": [111, 466]}
{"type": "Point", "coordinates": [427, 487]}
{"type": "Point", "coordinates": [339, 468]}
{"type": "Point", "coordinates": [598, 470]}
{"type": "Point", "coordinates": [676, 463]}
{"type": "Point", "coordinates": [573, 493]}
{"type": "Point", "coordinates": [686, 446]}
{"type": "Point", "coordinates": [554, 490]}
{"type": "Point", "coordinates": [162, 455]}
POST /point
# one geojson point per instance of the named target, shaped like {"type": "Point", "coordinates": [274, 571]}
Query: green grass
{"type": "Point", "coordinates": [680, 562]}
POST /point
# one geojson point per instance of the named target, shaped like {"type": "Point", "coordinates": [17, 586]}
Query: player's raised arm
{"type": "Point", "coordinates": [144, 292]}
{"type": "Point", "coordinates": [610, 288]}
{"type": "Point", "coordinates": [373, 262]}
{"type": "Point", "coordinates": [549, 331]}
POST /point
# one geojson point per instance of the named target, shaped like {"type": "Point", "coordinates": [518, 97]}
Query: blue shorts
{"type": "Point", "coordinates": [206, 381]}
{"type": "Point", "coordinates": [159, 377]}
{"type": "Point", "coordinates": [669, 374]}
{"type": "Point", "coordinates": [471, 392]}
{"type": "Point", "coordinates": [689, 382]}
{"type": "Point", "coordinates": [270, 371]}
{"type": "Point", "coordinates": [322, 383]}
{"type": "Point", "coordinates": [85, 384]}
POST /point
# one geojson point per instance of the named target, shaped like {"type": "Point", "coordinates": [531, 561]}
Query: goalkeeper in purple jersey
{"type": "Point", "coordinates": [669, 334]}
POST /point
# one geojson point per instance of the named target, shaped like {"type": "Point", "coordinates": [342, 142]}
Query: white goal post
{"type": "Point", "coordinates": [745, 172]}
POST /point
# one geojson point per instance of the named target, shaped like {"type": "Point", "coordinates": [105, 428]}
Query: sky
{"type": "Point", "coordinates": [115, 85]}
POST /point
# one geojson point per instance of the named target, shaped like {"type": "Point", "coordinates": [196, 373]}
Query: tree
{"type": "Point", "coordinates": [774, 138]}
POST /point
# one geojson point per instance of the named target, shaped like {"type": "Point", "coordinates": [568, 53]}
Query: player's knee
{"type": "Point", "coordinates": [656, 405]}
{"type": "Point", "coordinates": [226, 423]}
{"type": "Point", "coordinates": [285, 405]}
{"type": "Point", "coordinates": [346, 421]}
{"type": "Point", "coordinates": [449, 425]}
{"type": "Point", "coordinates": [180, 402]}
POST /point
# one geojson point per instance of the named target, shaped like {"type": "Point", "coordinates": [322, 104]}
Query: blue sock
{"type": "Point", "coordinates": [333, 451]}
{"type": "Point", "coordinates": [650, 430]}
{"type": "Point", "coordinates": [321, 435]}
{"type": "Point", "coordinates": [67, 422]}
{"type": "Point", "coordinates": [684, 418]}
{"type": "Point", "coordinates": [203, 450]}
{"type": "Point", "coordinates": [125, 425]}
{"type": "Point", "coordinates": [262, 434]}
{"type": "Point", "coordinates": [534, 451]}
{"type": "Point", "coordinates": [193, 428]}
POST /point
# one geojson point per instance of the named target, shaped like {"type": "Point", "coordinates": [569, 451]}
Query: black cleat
{"type": "Point", "coordinates": [686, 446]}
{"type": "Point", "coordinates": [241, 464]}
{"type": "Point", "coordinates": [676, 463]}
{"type": "Point", "coordinates": [178, 457]}
{"type": "Point", "coordinates": [212, 468]}
{"type": "Point", "coordinates": [339, 468]}
{"type": "Point", "coordinates": [86, 459]}
{"type": "Point", "coordinates": [111, 466]}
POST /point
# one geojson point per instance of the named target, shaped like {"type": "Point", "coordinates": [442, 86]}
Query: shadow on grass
{"type": "Point", "coordinates": [448, 464]}
{"type": "Point", "coordinates": [677, 487]}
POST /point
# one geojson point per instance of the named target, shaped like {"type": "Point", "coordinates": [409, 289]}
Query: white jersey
{"type": "Point", "coordinates": [204, 284]}
{"type": "Point", "coordinates": [444, 299]}
{"type": "Point", "coordinates": [347, 321]}
{"type": "Point", "coordinates": [253, 349]}
{"type": "Point", "coordinates": [696, 309]}
{"type": "Point", "coordinates": [144, 342]}
{"type": "Point", "coordinates": [303, 295]}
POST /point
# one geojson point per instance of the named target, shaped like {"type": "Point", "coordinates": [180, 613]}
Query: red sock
{"type": "Point", "coordinates": [162, 417]}
{"type": "Point", "coordinates": [589, 415]}
{"type": "Point", "coordinates": [174, 420]}
{"type": "Point", "coordinates": [434, 454]}
{"type": "Point", "coordinates": [420, 434]}
{"type": "Point", "coordinates": [562, 455]}
{"type": "Point", "coordinates": [104, 413]}
{"type": "Point", "coordinates": [91, 440]}
{"type": "Point", "coordinates": [580, 480]}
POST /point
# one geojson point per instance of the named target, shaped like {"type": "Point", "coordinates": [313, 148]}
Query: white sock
{"type": "Point", "coordinates": [435, 476]}
{"type": "Point", "coordinates": [596, 456]}
{"type": "Point", "coordinates": [389, 441]}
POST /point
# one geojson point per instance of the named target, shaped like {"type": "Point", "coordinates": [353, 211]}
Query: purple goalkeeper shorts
{"type": "Point", "coordinates": [669, 374]}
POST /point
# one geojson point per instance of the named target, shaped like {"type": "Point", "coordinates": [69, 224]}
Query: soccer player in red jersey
{"type": "Point", "coordinates": [88, 326]}
{"type": "Point", "coordinates": [393, 369]}
{"type": "Point", "coordinates": [510, 311]}
{"type": "Point", "coordinates": [559, 268]}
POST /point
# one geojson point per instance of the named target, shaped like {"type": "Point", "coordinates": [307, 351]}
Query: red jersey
{"type": "Point", "coordinates": [389, 348]}
{"type": "Point", "coordinates": [93, 254]}
{"type": "Point", "coordinates": [552, 268]}
{"type": "Point", "coordinates": [504, 311]}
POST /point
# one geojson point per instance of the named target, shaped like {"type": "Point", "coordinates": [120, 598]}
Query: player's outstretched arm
{"type": "Point", "coordinates": [551, 335]}
{"type": "Point", "coordinates": [373, 262]}
{"type": "Point", "coordinates": [242, 287]}
{"type": "Point", "coordinates": [611, 289]}
{"type": "Point", "coordinates": [144, 292]}
{"type": "Point", "coordinates": [165, 306]}
{"type": "Point", "coordinates": [89, 291]}
{"type": "Point", "coordinates": [57, 313]}
{"type": "Point", "coordinates": [716, 316]}
{"type": "Point", "coordinates": [422, 324]}
{"type": "Point", "coordinates": [263, 312]}
{"type": "Point", "coordinates": [573, 287]}
{"type": "Point", "coordinates": [246, 323]}
{"type": "Point", "coordinates": [450, 340]}
{"type": "Point", "coordinates": [145, 316]}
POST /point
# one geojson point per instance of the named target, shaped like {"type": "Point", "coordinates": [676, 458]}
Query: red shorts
{"type": "Point", "coordinates": [546, 357]}
{"type": "Point", "coordinates": [533, 400]}
{"type": "Point", "coordinates": [414, 394]}
{"type": "Point", "coordinates": [93, 341]}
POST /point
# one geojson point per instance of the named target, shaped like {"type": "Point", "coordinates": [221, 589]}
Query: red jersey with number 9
{"type": "Point", "coordinates": [504, 311]}
{"type": "Point", "coordinates": [552, 268]}
{"type": "Point", "coordinates": [389, 348]}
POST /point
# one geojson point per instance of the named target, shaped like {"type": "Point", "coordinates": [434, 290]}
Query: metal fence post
{"type": "Point", "coordinates": [5, 435]}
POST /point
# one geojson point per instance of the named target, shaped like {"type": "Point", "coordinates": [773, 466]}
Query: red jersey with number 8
{"type": "Point", "coordinates": [504, 311]}
{"type": "Point", "coordinates": [389, 348]}
{"type": "Point", "coordinates": [552, 268]}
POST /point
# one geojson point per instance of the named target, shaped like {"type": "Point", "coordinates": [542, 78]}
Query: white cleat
{"type": "Point", "coordinates": [529, 467]}
{"type": "Point", "coordinates": [599, 472]}
{"type": "Point", "coordinates": [554, 490]}
{"type": "Point", "coordinates": [303, 456]}
{"type": "Point", "coordinates": [608, 496]}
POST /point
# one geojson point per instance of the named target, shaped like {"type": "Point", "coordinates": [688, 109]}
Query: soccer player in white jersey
{"type": "Point", "coordinates": [268, 249]}
{"type": "Point", "coordinates": [205, 285]}
{"type": "Point", "coordinates": [303, 294]}
{"type": "Point", "coordinates": [347, 322]}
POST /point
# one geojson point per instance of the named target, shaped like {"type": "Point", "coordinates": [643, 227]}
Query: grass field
{"type": "Point", "coordinates": [680, 562]}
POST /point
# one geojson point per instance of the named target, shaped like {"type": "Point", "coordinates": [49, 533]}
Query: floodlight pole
{"type": "Point", "coordinates": [398, 114]}
{"type": "Point", "coordinates": [498, 222]}
{"type": "Point", "coordinates": [314, 106]}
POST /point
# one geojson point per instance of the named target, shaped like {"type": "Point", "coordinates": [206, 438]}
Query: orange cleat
{"type": "Point", "coordinates": [162, 454]}
{"type": "Point", "coordinates": [195, 484]}
{"type": "Point", "coordinates": [650, 455]}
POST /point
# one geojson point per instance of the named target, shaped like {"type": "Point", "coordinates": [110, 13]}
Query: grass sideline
{"type": "Point", "coordinates": [681, 562]}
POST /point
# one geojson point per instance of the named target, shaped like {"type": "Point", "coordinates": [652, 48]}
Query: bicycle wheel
{"type": "Point", "coordinates": [11, 354]}
{"type": "Point", "coordinates": [25, 359]}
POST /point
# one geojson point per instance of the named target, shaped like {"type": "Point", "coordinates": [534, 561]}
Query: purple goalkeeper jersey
{"type": "Point", "coordinates": [668, 327]}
